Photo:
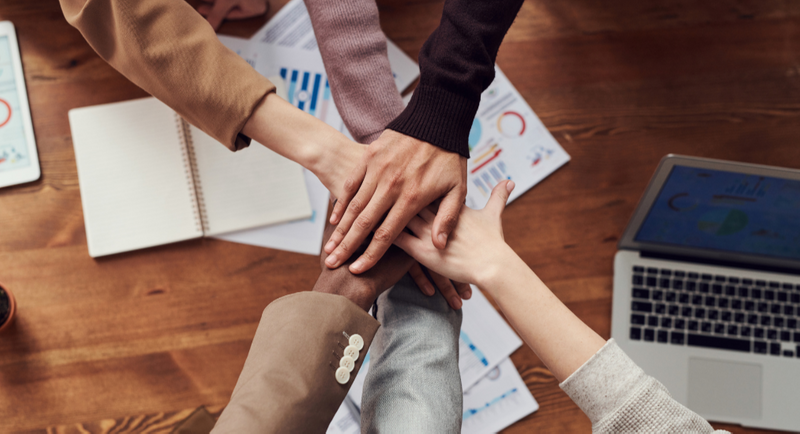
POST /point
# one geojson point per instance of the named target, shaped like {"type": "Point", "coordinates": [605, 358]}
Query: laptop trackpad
{"type": "Point", "coordinates": [725, 388]}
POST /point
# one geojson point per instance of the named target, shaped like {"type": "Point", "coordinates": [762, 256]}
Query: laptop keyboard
{"type": "Point", "coordinates": [713, 311]}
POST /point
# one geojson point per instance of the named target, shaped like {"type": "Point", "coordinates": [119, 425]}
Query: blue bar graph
{"type": "Point", "coordinates": [473, 411]}
{"type": "Point", "coordinates": [474, 349]}
{"type": "Point", "coordinates": [313, 109]}
{"type": "Point", "coordinates": [305, 95]}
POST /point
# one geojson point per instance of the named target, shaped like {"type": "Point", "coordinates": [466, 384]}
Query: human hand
{"type": "Point", "coordinates": [364, 288]}
{"type": "Point", "coordinates": [398, 175]}
{"type": "Point", "coordinates": [216, 11]}
{"type": "Point", "coordinates": [452, 291]}
{"type": "Point", "coordinates": [476, 248]}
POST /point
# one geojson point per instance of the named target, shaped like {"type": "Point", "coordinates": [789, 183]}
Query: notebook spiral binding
{"type": "Point", "coordinates": [190, 162]}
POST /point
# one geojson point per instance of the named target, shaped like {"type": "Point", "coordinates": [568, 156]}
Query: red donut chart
{"type": "Point", "coordinates": [509, 133]}
{"type": "Point", "coordinates": [8, 118]}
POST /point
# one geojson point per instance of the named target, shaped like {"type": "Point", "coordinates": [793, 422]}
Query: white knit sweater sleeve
{"type": "Point", "coordinates": [619, 397]}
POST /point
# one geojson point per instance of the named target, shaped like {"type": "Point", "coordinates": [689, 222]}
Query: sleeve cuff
{"type": "Point", "coordinates": [604, 382]}
{"type": "Point", "coordinates": [438, 117]}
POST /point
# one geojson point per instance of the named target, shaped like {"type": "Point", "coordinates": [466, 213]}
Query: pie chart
{"type": "Point", "coordinates": [5, 112]}
{"type": "Point", "coordinates": [722, 221]}
{"type": "Point", "coordinates": [475, 133]}
{"type": "Point", "coordinates": [511, 124]}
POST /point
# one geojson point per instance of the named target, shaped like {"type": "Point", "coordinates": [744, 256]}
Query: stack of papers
{"type": "Point", "coordinates": [494, 394]}
{"type": "Point", "coordinates": [286, 47]}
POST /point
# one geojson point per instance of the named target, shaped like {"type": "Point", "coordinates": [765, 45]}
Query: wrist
{"type": "Point", "coordinates": [288, 131]}
{"type": "Point", "coordinates": [357, 292]}
{"type": "Point", "coordinates": [503, 261]}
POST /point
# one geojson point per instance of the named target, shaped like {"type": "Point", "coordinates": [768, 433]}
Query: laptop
{"type": "Point", "coordinates": [707, 289]}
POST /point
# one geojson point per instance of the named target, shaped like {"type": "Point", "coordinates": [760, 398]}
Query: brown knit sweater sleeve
{"type": "Point", "coordinates": [169, 50]}
{"type": "Point", "coordinates": [456, 66]}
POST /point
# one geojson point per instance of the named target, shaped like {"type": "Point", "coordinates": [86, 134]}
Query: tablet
{"type": "Point", "coordinates": [19, 162]}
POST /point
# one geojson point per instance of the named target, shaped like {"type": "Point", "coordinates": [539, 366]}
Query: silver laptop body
{"type": "Point", "coordinates": [707, 289]}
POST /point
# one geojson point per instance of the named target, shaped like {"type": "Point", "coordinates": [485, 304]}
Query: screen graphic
{"type": "Point", "coordinates": [728, 211]}
{"type": "Point", "coordinates": [13, 146]}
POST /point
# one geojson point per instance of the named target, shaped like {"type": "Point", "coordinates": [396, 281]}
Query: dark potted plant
{"type": "Point", "coordinates": [7, 307]}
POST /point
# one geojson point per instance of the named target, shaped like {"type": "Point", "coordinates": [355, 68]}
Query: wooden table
{"type": "Point", "coordinates": [139, 339]}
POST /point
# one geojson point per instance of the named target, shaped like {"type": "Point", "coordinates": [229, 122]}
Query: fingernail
{"type": "Point", "coordinates": [443, 238]}
{"type": "Point", "coordinates": [429, 290]}
{"type": "Point", "coordinates": [455, 301]}
{"type": "Point", "coordinates": [329, 247]}
{"type": "Point", "coordinates": [333, 218]}
{"type": "Point", "coordinates": [331, 260]}
{"type": "Point", "coordinates": [510, 186]}
{"type": "Point", "coordinates": [357, 266]}
{"type": "Point", "coordinates": [467, 294]}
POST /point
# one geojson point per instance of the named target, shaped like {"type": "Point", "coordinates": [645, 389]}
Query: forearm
{"type": "Point", "coordinates": [304, 139]}
{"type": "Point", "coordinates": [353, 49]}
{"type": "Point", "coordinates": [169, 50]}
{"type": "Point", "coordinates": [560, 339]}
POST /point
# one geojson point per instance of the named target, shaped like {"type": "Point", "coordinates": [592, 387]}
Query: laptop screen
{"type": "Point", "coordinates": [726, 211]}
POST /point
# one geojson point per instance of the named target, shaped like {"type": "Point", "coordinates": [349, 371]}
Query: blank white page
{"type": "Point", "coordinates": [135, 187]}
{"type": "Point", "coordinates": [248, 188]}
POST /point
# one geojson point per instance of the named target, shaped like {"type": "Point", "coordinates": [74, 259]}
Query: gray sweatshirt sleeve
{"type": "Point", "coordinates": [618, 397]}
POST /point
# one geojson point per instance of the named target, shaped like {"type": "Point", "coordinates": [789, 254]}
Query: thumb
{"type": "Point", "coordinates": [219, 12]}
{"type": "Point", "coordinates": [500, 193]}
{"type": "Point", "coordinates": [446, 218]}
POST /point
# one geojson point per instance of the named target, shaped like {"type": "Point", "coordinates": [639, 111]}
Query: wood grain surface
{"type": "Point", "coordinates": [135, 342]}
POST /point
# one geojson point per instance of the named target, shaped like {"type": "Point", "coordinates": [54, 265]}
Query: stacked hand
{"type": "Point", "coordinates": [397, 177]}
{"type": "Point", "coordinates": [476, 249]}
{"type": "Point", "coordinates": [364, 288]}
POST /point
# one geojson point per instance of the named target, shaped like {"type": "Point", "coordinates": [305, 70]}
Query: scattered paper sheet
{"type": "Point", "coordinates": [346, 420]}
{"type": "Point", "coordinates": [508, 141]}
{"type": "Point", "coordinates": [497, 401]}
{"type": "Point", "coordinates": [486, 339]}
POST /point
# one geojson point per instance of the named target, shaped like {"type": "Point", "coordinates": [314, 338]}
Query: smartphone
{"type": "Point", "coordinates": [19, 161]}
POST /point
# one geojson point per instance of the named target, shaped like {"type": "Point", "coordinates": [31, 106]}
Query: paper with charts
{"type": "Point", "coordinates": [508, 141]}
{"type": "Point", "coordinates": [491, 383]}
{"type": "Point", "coordinates": [497, 401]}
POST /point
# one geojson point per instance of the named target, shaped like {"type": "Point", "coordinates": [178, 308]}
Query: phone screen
{"type": "Point", "coordinates": [13, 146]}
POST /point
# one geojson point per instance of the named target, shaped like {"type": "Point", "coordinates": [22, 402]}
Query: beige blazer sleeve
{"type": "Point", "coordinates": [169, 50]}
{"type": "Point", "coordinates": [287, 384]}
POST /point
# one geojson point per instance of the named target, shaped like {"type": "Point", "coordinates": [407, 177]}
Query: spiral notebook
{"type": "Point", "coordinates": [147, 178]}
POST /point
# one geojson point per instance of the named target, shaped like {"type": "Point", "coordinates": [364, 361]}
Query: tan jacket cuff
{"type": "Point", "coordinates": [288, 381]}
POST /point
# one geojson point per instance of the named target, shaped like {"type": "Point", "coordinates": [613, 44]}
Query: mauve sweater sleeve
{"type": "Point", "coordinates": [353, 48]}
{"type": "Point", "coordinates": [456, 66]}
